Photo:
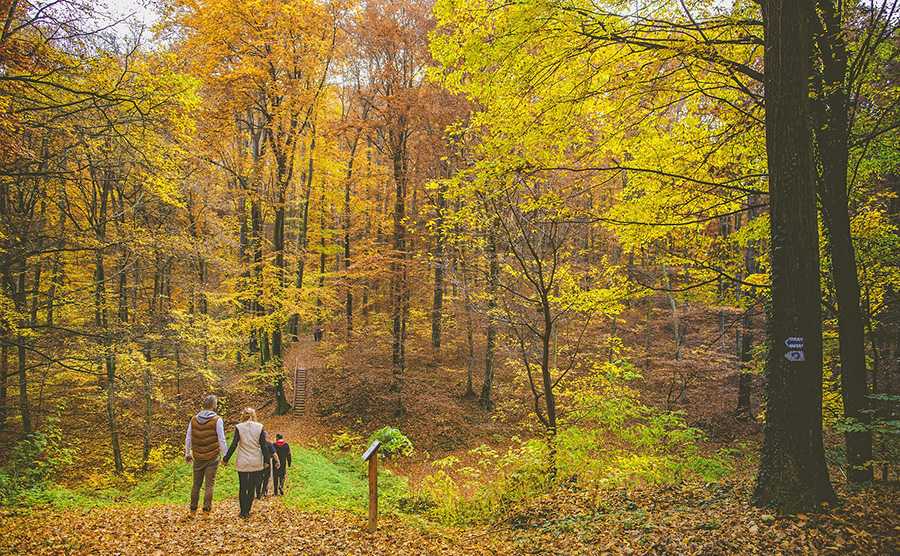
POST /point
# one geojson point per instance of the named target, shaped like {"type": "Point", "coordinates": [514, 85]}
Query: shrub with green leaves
{"type": "Point", "coordinates": [393, 442]}
{"type": "Point", "coordinates": [885, 430]}
{"type": "Point", "coordinates": [607, 438]}
{"type": "Point", "coordinates": [345, 441]}
{"type": "Point", "coordinates": [32, 462]}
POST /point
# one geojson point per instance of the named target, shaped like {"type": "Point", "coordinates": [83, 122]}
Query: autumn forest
{"type": "Point", "coordinates": [599, 276]}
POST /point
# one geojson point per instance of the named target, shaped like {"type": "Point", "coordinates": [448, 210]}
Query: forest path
{"type": "Point", "coordinates": [302, 353]}
{"type": "Point", "coordinates": [301, 363]}
{"type": "Point", "coordinates": [272, 528]}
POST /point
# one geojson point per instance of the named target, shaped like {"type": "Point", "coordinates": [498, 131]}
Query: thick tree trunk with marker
{"type": "Point", "coordinates": [792, 473]}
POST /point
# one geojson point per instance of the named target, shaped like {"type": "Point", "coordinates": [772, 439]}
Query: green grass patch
{"type": "Point", "coordinates": [172, 485]}
{"type": "Point", "coordinates": [315, 481]}
{"type": "Point", "coordinates": [318, 482]}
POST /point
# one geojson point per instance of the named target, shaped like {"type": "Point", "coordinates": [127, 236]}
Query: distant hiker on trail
{"type": "Point", "coordinates": [283, 451]}
{"type": "Point", "coordinates": [270, 463]}
{"type": "Point", "coordinates": [250, 441]}
{"type": "Point", "coordinates": [317, 333]}
{"type": "Point", "coordinates": [204, 445]}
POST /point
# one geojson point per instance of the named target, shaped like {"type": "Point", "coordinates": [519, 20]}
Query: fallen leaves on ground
{"type": "Point", "coordinates": [714, 519]}
{"type": "Point", "coordinates": [272, 528]}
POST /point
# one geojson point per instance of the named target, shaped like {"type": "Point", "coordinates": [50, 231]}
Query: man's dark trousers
{"type": "Point", "coordinates": [204, 472]}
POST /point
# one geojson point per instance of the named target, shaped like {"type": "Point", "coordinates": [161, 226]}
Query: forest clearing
{"type": "Point", "coordinates": [528, 277]}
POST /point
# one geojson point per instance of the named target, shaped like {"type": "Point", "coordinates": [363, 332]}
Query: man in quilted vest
{"type": "Point", "coordinates": [204, 445]}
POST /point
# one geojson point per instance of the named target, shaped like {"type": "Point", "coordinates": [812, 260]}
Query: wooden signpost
{"type": "Point", "coordinates": [371, 456]}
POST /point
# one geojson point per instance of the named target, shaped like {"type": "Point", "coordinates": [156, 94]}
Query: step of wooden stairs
{"type": "Point", "coordinates": [299, 405]}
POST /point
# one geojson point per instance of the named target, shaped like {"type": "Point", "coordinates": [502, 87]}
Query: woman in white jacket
{"type": "Point", "coordinates": [250, 441]}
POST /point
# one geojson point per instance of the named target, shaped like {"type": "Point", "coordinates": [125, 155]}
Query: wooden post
{"type": "Point", "coordinates": [371, 456]}
{"type": "Point", "coordinates": [373, 492]}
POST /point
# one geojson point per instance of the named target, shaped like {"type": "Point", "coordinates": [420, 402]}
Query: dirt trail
{"type": "Point", "coordinates": [300, 428]}
{"type": "Point", "coordinates": [302, 353]}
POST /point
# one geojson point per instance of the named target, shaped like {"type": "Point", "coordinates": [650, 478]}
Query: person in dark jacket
{"type": "Point", "coordinates": [270, 463]}
{"type": "Point", "coordinates": [283, 452]}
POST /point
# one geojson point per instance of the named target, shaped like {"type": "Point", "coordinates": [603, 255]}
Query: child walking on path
{"type": "Point", "coordinates": [283, 452]}
{"type": "Point", "coordinates": [270, 463]}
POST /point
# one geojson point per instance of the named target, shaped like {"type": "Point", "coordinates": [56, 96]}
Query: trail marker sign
{"type": "Point", "coordinates": [371, 456]}
{"type": "Point", "coordinates": [371, 450]}
{"type": "Point", "coordinates": [795, 352]}
{"type": "Point", "coordinates": [794, 342]}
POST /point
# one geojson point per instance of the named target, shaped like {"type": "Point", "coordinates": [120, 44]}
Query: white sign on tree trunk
{"type": "Point", "coordinates": [794, 342]}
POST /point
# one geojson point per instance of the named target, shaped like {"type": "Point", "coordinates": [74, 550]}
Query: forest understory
{"type": "Point", "coordinates": [712, 518]}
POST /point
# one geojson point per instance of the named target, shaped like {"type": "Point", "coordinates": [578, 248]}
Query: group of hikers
{"type": "Point", "coordinates": [256, 458]}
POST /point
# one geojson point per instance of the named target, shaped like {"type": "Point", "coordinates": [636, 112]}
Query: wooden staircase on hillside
{"type": "Point", "coordinates": [300, 387]}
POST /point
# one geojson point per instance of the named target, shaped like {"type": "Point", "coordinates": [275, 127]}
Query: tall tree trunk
{"type": "Point", "coordinates": [278, 247]}
{"type": "Point", "coordinates": [547, 383]}
{"type": "Point", "coordinates": [398, 275]}
{"type": "Point", "coordinates": [831, 116]}
{"type": "Point", "coordinates": [348, 187]}
{"type": "Point", "coordinates": [111, 411]}
{"type": "Point", "coordinates": [122, 265]}
{"type": "Point", "coordinates": [470, 330]}
{"type": "Point", "coordinates": [319, 310]}
{"type": "Point", "coordinates": [744, 343]}
{"type": "Point", "coordinates": [202, 277]}
{"type": "Point", "coordinates": [486, 399]}
{"type": "Point", "coordinates": [303, 232]}
{"type": "Point", "coordinates": [148, 407]}
{"type": "Point", "coordinates": [677, 329]}
{"type": "Point", "coordinates": [24, 410]}
{"type": "Point", "coordinates": [109, 358]}
{"type": "Point", "coordinates": [792, 472]}
{"type": "Point", "coordinates": [101, 311]}
{"type": "Point", "coordinates": [724, 230]}
{"type": "Point", "coordinates": [244, 262]}
{"type": "Point", "coordinates": [744, 334]}
{"type": "Point", "coordinates": [262, 335]}
{"type": "Point", "coordinates": [437, 304]}
{"type": "Point", "coordinates": [57, 267]}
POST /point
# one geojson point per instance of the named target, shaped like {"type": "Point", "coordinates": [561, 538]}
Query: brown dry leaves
{"type": "Point", "coordinates": [716, 519]}
{"type": "Point", "coordinates": [164, 530]}
{"type": "Point", "coordinates": [713, 520]}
